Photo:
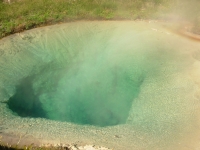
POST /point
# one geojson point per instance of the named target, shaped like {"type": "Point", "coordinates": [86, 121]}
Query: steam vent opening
{"type": "Point", "coordinates": [83, 95]}
{"type": "Point", "coordinates": [86, 81]}
{"type": "Point", "coordinates": [119, 84]}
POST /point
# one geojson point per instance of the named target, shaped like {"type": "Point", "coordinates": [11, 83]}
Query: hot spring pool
{"type": "Point", "coordinates": [119, 84]}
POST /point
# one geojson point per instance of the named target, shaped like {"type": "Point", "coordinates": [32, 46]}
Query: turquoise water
{"type": "Point", "coordinates": [91, 92]}
{"type": "Point", "coordinates": [95, 81]}
{"type": "Point", "coordinates": [96, 85]}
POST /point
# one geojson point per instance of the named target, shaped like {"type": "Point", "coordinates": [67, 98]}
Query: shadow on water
{"type": "Point", "coordinates": [25, 102]}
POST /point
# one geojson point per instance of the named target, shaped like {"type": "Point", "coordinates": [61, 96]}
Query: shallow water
{"type": "Point", "coordinates": [123, 85]}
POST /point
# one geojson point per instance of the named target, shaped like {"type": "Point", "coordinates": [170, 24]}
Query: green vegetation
{"type": "Point", "coordinates": [20, 15]}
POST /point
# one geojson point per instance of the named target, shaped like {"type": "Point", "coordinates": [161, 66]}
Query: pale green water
{"type": "Point", "coordinates": [101, 74]}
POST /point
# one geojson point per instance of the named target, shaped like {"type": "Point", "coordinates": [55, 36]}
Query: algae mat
{"type": "Point", "coordinates": [117, 84]}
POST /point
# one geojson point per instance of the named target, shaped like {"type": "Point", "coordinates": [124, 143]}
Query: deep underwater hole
{"type": "Point", "coordinates": [75, 96]}
{"type": "Point", "coordinates": [24, 102]}
{"type": "Point", "coordinates": [87, 78]}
